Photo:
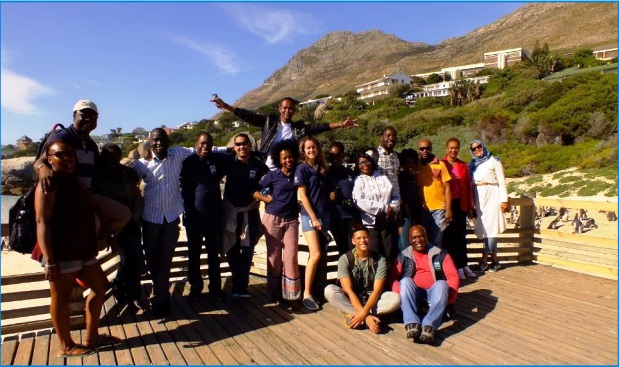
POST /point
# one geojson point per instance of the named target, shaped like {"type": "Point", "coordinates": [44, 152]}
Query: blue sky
{"type": "Point", "coordinates": [151, 63]}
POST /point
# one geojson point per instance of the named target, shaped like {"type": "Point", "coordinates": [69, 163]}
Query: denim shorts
{"type": "Point", "coordinates": [324, 217]}
{"type": "Point", "coordinates": [75, 265]}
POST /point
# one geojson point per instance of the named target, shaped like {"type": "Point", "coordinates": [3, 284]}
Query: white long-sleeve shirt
{"type": "Point", "coordinates": [374, 194]}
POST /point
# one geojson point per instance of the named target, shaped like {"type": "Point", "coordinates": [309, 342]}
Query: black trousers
{"type": "Point", "coordinates": [209, 230]}
{"type": "Point", "coordinates": [454, 236]}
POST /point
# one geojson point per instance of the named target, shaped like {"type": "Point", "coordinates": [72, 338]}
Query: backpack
{"type": "Point", "coordinates": [22, 224]}
{"type": "Point", "coordinates": [22, 221]}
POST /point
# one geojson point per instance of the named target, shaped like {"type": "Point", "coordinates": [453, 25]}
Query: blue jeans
{"type": "Point", "coordinates": [437, 296]}
{"type": "Point", "coordinates": [431, 220]}
{"type": "Point", "coordinates": [160, 241]}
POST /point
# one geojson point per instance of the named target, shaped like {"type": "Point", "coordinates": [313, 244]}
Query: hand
{"type": "Point", "coordinates": [52, 273]}
{"type": "Point", "coordinates": [373, 323]}
{"type": "Point", "coordinates": [269, 199]}
{"type": "Point", "coordinates": [505, 207]}
{"type": "Point", "coordinates": [390, 212]}
{"type": "Point", "coordinates": [357, 320]}
{"type": "Point", "coordinates": [316, 224]}
{"type": "Point", "coordinates": [333, 196]}
{"type": "Point", "coordinates": [218, 101]}
{"type": "Point", "coordinates": [350, 123]}
{"type": "Point", "coordinates": [46, 176]}
{"type": "Point", "coordinates": [448, 216]}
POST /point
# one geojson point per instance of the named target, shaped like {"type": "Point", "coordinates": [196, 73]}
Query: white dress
{"type": "Point", "coordinates": [490, 191]}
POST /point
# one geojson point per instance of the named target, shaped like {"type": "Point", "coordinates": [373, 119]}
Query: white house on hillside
{"type": "Point", "coordinates": [441, 89]}
{"type": "Point", "coordinates": [504, 58]}
{"type": "Point", "coordinates": [314, 102]}
{"type": "Point", "coordinates": [380, 87]}
{"type": "Point", "coordinates": [455, 72]}
{"type": "Point", "coordinates": [605, 53]}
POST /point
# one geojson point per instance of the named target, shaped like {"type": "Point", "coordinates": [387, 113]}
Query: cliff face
{"type": "Point", "coordinates": [339, 61]}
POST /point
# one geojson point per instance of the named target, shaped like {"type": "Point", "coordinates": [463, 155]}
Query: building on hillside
{"type": "Point", "coordinates": [314, 102]}
{"type": "Point", "coordinates": [187, 125]}
{"type": "Point", "coordinates": [605, 53]}
{"type": "Point", "coordinates": [566, 73]}
{"type": "Point", "coordinates": [440, 89]}
{"type": "Point", "coordinates": [379, 88]}
{"type": "Point", "coordinates": [23, 143]}
{"type": "Point", "coordinates": [504, 58]}
{"type": "Point", "coordinates": [455, 72]}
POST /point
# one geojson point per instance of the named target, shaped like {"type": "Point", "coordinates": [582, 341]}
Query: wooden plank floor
{"type": "Point", "coordinates": [531, 314]}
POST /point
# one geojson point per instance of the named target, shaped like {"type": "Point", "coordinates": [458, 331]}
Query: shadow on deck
{"type": "Point", "coordinates": [531, 314]}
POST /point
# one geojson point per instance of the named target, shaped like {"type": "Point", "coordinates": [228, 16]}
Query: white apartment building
{"type": "Point", "coordinates": [314, 102]}
{"type": "Point", "coordinates": [441, 89]}
{"type": "Point", "coordinates": [380, 87]}
{"type": "Point", "coordinates": [504, 58]}
{"type": "Point", "coordinates": [605, 53]}
{"type": "Point", "coordinates": [455, 72]}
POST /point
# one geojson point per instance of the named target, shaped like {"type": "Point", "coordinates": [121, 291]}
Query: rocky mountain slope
{"type": "Point", "coordinates": [339, 61]}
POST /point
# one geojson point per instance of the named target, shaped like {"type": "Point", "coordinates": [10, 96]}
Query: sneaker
{"type": "Point", "coordinates": [468, 272]}
{"type": "Point", "coordinates": [494, 268]}
{"type": "Point", "coordinates": [218, 295]}
{"type": "Point", "coordinates": [240, 294]}
{"type": "Point", "coordinates": [310, 304]}
{"type": "Point", "coordinates": [427, 335]}
{"type": "Point", "coordinates": [483, 267]}
{"type": "Point", "coordinates": [461, 274]}
{"type": "Point", "coordinates": [413, 331]}
{"type": "Point", "coordinates": [347, 319]}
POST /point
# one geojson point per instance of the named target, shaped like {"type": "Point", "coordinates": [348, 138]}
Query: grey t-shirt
{"type": "Point", "coordinates": [381, 270]}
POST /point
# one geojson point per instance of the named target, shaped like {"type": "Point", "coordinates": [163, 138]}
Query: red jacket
{"type": "Point", "coordinates": [464, 181]}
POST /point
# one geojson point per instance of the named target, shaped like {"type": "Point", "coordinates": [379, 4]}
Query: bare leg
{"type": "Point", "coordinates": [60, 292]}
{"type": "Point", "coordinates": [312, 262]}
{"type": "Point", "coordinates": [95, 279]}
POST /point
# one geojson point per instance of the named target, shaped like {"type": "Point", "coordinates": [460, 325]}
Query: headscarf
{"type": "Point", "coordinates": [477, 161]}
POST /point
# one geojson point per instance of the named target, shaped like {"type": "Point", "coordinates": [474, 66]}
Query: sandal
{"type": "Point", "coordinates": [105, 340]}
{"type": "Point", "coordinates": [77, 350]}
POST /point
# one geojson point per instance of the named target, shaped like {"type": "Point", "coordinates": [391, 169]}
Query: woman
{"type": "Point", "coordinates": [491, 201]}
{"type": "Point", "coordinates": [342, 208]}
{"type": "Point", "coordinates": [67, 238]}
{"type": "Point", "coordinates": [454, 237]}
{"type": "Point", "coordinates": [119, 182]}
{"type": "Point", "coordinates": [378, 201]}
{"type": "Point", "coordinates": [411, 209]}
{"type": "Point", "coordinates": [281, 225]}
{"type": "Point", "coordinates": [310, 179]}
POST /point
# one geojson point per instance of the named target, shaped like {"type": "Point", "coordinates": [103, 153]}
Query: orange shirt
{"type": "Point", "coordinates": [432, 179]}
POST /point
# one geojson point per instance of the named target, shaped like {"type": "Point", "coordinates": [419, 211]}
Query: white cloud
{"type": "Point", "coordinates": [19, 92]}
{"type": "Point", "coordinates": [272, 25]}
{"type": "Point", "coordinates": [226, 60]}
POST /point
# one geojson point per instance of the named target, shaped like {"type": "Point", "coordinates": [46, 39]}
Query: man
{"type": "Point", "coordinates": [111, 215]}
{"type": "Point", "coordinates": [362, 274]}
{"type": "Point", "coordinates": [433, 179]}
{"type": "Point", "coordinates": [388, 159]}
{"type": "Point", "coordinates": [241, 219]}
{"type": "Point", "coordinates": [200, 177]}
{"type": "Point", "coordinates": [276, 128]}
{"type": "Point", "coordinates": [427, 273]}
{"type": "Point", "coordinates": [163, 205]}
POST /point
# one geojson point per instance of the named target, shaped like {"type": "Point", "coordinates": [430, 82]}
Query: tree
{"type": "Point", "coordinates": [114, 133]}
{"type": "Point", "coordinates": [417, 80]}
{"type": "Point", "coordinates": [399, 90]}
{"type": "Point", "coordinates": [139, 131]}
{"type": "Point", "coordinates": [540, 57]}
{"type": "Point", "coordinates": [434, 78]}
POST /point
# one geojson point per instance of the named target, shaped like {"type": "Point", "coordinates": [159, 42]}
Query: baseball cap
{"type": "Point", "coordinates": [83, 104]}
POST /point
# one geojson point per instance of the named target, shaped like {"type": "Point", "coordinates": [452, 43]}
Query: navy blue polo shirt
{"type": "Point", "coordinates": [342, 181]}
{"type": "Point", "coordinates": [242, 179]}
{"type": "Point", "coordinates": [283, 192]}
{"type": "Point", "coordinates": [87, 153]}
{"type": "Point", "coordinates": [315, 184]}
{"type": "Point", "coordinates": [200, 179]}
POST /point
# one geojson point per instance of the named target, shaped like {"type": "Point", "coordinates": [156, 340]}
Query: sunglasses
{"type": "Point", "coordinates": [241, 143]}
{"type": "Point", "coordinates": [477, 147]}
{"type": "Point", "coordinates": [335, 155]}
{"type": "Point", "coordinates": [423, 149]}
{"type": "Point", "coordinates": [64, 155]}
{"type": "Point", "coordinates": [363, 163]}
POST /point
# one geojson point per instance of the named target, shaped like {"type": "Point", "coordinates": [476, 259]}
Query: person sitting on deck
{"type": "Point", "coordinates": [362, 274]}
{"type": "Point", "coordinates": [423, 272]}
{"type": "Point", "coordinates": [66, 235]}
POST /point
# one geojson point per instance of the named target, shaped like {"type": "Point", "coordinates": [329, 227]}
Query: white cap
{"type": "Point", "coordinates": [84, 104]}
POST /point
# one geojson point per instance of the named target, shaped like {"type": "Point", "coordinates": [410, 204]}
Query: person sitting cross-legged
{"type": "Point", "coordinates": [422, 272]}
{"type": "Point", "coordinates": [362, 274]}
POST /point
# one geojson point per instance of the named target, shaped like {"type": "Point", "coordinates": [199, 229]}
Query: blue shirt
{"type": "Point", "coordinates": [200, 179]}
{"type": "Point", "coordinates": [162, 190]}
{"type": "Point", "coordinates": [342, 181]}
{"type": "Point", "coordinates": [242, 180]}
{"type": "Point", "coordinates": [284, 194]}
{"type": "Point", "coordinates": [315, 184]}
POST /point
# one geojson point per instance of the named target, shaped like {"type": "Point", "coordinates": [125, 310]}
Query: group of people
{"type": "Point", "coordinates": [378, 215]}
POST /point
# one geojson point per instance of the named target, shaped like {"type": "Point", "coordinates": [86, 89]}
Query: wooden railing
{"type": "Point", "coordinates": [27, 307]}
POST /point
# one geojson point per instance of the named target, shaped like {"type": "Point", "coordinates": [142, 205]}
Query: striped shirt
{"type": "Point", "coordinates": [162, 192]}
{"type": "Point", "coordinates": [390, 164]}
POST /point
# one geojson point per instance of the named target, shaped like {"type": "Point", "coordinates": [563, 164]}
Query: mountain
{"type": "Point", "coordinates": [339, 61]}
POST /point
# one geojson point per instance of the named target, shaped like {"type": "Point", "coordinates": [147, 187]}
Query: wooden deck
{"type": "Point", "coordinates": [524, 314]}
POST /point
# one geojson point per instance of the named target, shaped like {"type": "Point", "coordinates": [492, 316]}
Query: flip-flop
{"type": "Point", "coordinates": [75, 351]}
{"type": "Point", "coordinates": [105, 340]}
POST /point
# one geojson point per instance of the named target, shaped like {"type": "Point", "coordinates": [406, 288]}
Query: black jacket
{"type": "Point", "coordinates": [270, 123]}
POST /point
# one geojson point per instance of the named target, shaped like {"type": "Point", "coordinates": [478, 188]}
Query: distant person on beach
{"type": "Point", "coordinates": [491, 201]}
{"type": "Point", "coordinates": [454, 237]}
{"type": "Point", "coordinates": [112, 215]}
{"type": "Point", "coordinates": [281, 226]}
{"type": "Point", "coordinates": [200, 178]}
{"type": "Point", "coordinates": [280, 127]}
{"type": "Point", "coordinates": [241, 217]}
{"type": "Point", "coordinates": [67, 238]}
{"type": "Point", "coordinates": [119, 182]}
{"type": "Point", "coordinates": [362, 274]}
{"type": "Point", "coordinates": [163, 205]}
